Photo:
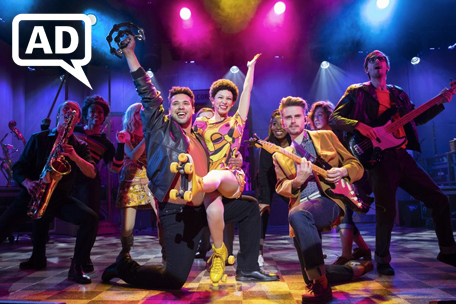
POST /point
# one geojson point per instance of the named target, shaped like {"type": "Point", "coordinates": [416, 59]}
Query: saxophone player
{"type": "Point", "coordinates": [27, 171]}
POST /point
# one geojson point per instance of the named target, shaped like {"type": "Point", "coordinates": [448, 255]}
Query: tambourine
{"type": "Point", "coordinates": [121, 33]}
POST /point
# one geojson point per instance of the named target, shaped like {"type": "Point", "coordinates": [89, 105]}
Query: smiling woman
{"type": "Point", "coordinates": [266, 174]}
{"type": "Point", "coordinates": [222, 134]}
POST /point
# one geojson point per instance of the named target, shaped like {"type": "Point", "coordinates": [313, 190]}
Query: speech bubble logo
{"type": "Point", "coordinates": [77, 64]}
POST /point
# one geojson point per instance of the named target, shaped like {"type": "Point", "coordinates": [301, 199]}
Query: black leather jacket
{"type": "Point", "coordinates": [35, 156]}
{"type": "Point", "coordinates": [360, 103]}
{"type": "Point", "coordinates": [164, 137]}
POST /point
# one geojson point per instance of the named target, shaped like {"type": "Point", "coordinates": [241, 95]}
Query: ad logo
{"type": "Point", "coordinates": [66, 42]}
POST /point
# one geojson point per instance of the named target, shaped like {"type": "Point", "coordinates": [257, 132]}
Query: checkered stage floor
{"type": "Point", "coordinates": [419, 278]}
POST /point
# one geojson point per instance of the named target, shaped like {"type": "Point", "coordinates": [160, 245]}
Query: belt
{"type": "Point", "coordinates": [310, 197]}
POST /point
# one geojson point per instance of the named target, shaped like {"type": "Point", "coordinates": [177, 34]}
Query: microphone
{"type": "Point", "coordinates": [12, 125]}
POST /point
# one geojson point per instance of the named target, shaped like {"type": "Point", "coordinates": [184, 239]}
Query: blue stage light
{"type": "Point", "coordinates": [93, 18]}
{"type": "Point", "coordinates": [415, 60]}
{"type": "Point", "coordinates": [324, 64]}
{"type": "Point", "coordinates": [381, 4]}
{"type": "Point", "coordinates": [234, 69]}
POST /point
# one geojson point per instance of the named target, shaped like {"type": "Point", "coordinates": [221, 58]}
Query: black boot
{"type": "Point", "coordinates": [77, 274]}
{"type": "Point", "coordinates": [127, 243]}
{"type": "Point", "coordinates": [88, 267]}
{"type": "Point", "coordinates": [112, 270]}
{"type": "Point", "coordinates": [34, 263]}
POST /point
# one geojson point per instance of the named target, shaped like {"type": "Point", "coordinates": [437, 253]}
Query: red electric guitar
{"type": "Point", "coordinates": [370, 152]}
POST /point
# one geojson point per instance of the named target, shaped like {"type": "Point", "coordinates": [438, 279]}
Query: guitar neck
{"type": "Point", "coordinates": [413, 114]}
{"type": "Point", "coordinates": [295, 158]}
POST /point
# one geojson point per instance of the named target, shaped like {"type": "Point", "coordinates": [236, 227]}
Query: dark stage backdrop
{"type": "Point", "coordinates": [27, 96]}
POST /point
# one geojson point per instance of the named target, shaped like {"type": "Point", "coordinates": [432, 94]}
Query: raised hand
{"type": "Point", "coordinates": [123, 136]}
{"type": "Point", "coordinates": [128, 45]}
{"type": "Point", "coordinates": [254, 60]}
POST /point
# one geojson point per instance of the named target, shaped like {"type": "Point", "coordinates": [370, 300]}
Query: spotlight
{"type": "Point", "coordinates": [415, 60]}
{"type": "Point", "coordinates": [185, 13]}
{"type": "Point", "coordinates": [381, 4]}
{"type": "Point", "coordinates": [93, 19]}
{"type": "Point", "coordinates": [234, 69]}
{"type": "Point", "coordinates": [279, 8]}
{"type": "Point", "coordinates": [31, 69]}
{"type": "Point", "coordinates": [451, 47]}
{"type": "Point", "coordinates": [62, 77]}
{"type": "Point", "coordinates": [324, 64]}
{"type": "Point", "coordinates": [150, 73]}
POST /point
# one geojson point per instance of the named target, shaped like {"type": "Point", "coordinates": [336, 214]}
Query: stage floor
{"type": "Point", "coordinates": [419, 278]}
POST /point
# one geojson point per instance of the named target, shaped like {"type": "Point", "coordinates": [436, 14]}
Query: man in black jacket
{"type": "Point", "coordinates": [360, 110]}
{"type": "Point", "coordinates": [167, 136]}
{"type": "Point", "coordinates": [26, 172]}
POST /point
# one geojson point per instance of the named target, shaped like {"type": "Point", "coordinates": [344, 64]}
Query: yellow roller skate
{"type": "Point", "coordinates": [191, 184]}
{"type": "Point", "coordinates": [217, 266]}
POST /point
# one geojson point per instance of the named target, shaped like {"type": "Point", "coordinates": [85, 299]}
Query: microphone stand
{"type": "Point", "coordinates": [46, 123]}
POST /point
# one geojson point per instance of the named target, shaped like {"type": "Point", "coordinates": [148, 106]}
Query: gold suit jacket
{"type": "Point", "coordinates": [330, 149]}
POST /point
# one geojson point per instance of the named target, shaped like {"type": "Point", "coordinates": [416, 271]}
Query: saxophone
{"type": "Point", "coordinates": [56, 166]}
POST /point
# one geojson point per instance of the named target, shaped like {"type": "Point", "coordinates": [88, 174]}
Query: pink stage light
{"type": "Point", "coordinates": [279, 8]}
{"type": "Point", "coordinates": [185, 13]}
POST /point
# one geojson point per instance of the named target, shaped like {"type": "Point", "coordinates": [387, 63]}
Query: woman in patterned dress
{"type": "Point", "coordinates": [223, 134]}
{"type": "Point", "coordinates": [133, 191]}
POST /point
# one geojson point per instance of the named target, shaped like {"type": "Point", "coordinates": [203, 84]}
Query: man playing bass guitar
{"type": "Point", "coordinates": [359, 112]}
{"type": "Point", "coordinates": [310, 212]}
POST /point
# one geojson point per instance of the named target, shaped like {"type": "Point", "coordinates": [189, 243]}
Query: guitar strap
{"type": "Point", "coordinates": [302, 152]}
{"type": "Point", "coordinates": [310, 186]}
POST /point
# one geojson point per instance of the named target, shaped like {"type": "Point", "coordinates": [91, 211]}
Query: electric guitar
{"type": "Point", "coordinates": [369, 152]}
{"type": "Point", "coordinates": [341, 191]}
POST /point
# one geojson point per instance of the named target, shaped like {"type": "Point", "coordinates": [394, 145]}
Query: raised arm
{"type": "Point", "coordinates": [129, 52]}
{"type": "Point", "coordinates": [244, 101]}
{"type": "Point", "coordinates": [135, 152]}
{"type": "Point", "coordinates": [115, 165]}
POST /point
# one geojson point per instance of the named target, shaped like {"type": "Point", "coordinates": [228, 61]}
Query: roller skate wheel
{"type": "Point", "coordinates": [224, 278]}
{"type": "Point", "coordinates": [188, 168]}
{"type": "Point", "coordinates": [231, 259]}
{"type": "Point", "coordinates": [174, 167]}
{"type": "Point", "coordinates": [173, 194]}
{"type": "Point", "coordinates": [188, 196]}
{"type": "Point", "coordinates": [215, 286]}
{"type": "Point", "coordinates": [183, 158]}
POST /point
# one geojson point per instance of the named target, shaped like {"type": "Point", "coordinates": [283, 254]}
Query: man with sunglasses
{"type": "Point", "coordinates": [360, 110]}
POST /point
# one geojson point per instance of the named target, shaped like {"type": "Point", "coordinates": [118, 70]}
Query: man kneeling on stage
{"type": "Point", "coordinates": [310, 212]}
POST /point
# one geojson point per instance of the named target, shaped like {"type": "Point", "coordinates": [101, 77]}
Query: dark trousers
{"type": "Point", "coordinates": [265, 216]}
{"type": "Point", "coordinates": [182, 227]}
{"type": "Point", "coordinates": [308, 220]}
{"type": "Point", "coordinates": [348, 223]}
{"type": "Point", "coordinates": [61, 206]}
{"type": "Point", "coordinates": [88, 191]}
{"type": "Point", "coordinates": [399, 169]}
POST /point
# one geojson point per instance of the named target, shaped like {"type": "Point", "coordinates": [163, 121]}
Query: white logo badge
{"type": "Point", "coordinates": [39, 40]}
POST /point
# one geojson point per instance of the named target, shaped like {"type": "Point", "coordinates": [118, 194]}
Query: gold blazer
{"type": "Point", "coordinates": [331, 150]}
